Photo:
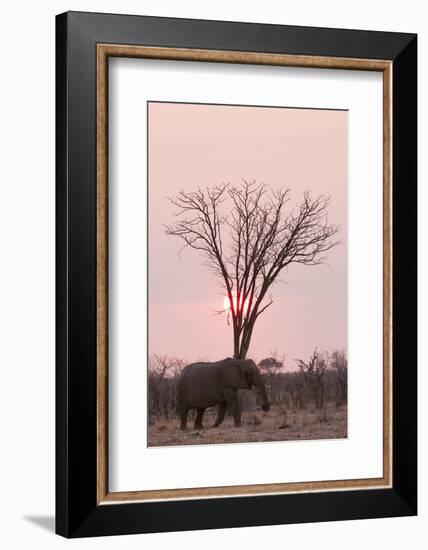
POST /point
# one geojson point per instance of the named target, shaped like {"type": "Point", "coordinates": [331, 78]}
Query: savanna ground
{"type": "Point", "coordinates": [278, 424]}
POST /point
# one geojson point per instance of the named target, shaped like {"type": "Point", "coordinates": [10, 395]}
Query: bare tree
{"type": "Point", "coordinates": [262, 239]}
{"type": "Point", "coordinates": [313, 373]}
{"type": "Point", "coordinates": [162, 380]}
{"type": "Point", "coordinates": [339, 364]}
{"type": "Point", "coordinates": [159, 365]}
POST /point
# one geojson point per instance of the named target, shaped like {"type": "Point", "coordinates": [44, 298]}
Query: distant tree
{"type": "Point", "coordinates": [271, 368]}
{"type": "Point", "coordinates": [162, 380]}
{"type": "Point", "coordinates": [263, 239]}
{"type": "Point", "coordinates": [271, 365]}
{"type": "Point", "coordinates": [313, 373]}
{"type": "Point", "coordinates": [339, 364]}
{"type": "Point", "coordinates": [159, 365]}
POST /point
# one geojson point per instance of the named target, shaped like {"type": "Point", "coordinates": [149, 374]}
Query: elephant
{"type": "Point", "coordinates": [203, 385]}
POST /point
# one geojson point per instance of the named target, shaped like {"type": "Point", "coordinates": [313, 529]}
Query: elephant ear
{"type": "Point", "coordinates": [234, 373]}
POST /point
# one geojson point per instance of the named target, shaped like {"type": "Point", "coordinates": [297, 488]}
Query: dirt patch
{"type": "Point", "coordinates": [278, 424]}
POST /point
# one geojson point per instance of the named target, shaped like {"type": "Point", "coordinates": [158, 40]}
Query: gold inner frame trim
{"type": "Point", "coordinates": [104, 51]}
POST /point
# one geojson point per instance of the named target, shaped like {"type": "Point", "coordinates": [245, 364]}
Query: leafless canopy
{"type": "Point", "coordinates": [313, 373]}
{"type": "Point", "coordinates": [250, 241]}
{"type": "Point", "coordinates": [316, 367]}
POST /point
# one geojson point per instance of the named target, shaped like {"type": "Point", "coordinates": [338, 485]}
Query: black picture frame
{"type": "Point", "coordinates": [77, 511]}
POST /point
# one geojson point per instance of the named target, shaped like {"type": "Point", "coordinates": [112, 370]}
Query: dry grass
{"type": "Point", "coordinates": [278, 424]}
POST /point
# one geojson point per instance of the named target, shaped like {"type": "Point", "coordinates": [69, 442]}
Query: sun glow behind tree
{"type": "Point", "coordinates": [227, 307]}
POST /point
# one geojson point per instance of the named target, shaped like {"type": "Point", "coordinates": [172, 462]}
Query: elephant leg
{"type": "Point", "coordinates": [183, 418]}
{"type": "Point", "coordinates": [198, 420]}
{"type": "Point", "coordinates": [221, 412]}
{"type": "Point", "coordinates": [232, 400]}
{"type": "Point", "coordinates": [236, 412]}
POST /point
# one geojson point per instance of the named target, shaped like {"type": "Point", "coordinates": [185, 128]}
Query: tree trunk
{"type": "Point", "coordinates": [245, 341]}
{"type": "Point", "coordinates": [235, 342]}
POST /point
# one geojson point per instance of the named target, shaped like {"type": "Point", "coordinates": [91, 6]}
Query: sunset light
{"type": "Point", "coordinates": [226, 304]}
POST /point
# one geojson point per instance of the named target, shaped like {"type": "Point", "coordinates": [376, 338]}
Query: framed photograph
{"type": "Point", "coordinates": [236, 274]}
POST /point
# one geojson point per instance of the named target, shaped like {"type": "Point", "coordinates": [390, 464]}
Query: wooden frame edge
{"type": "Point", "coordinates": [104, 51]}
{"type": "Point", "coordinates": [241, 57]}
{"type": "Point", "coordinates": [387, 274]}
{"type": "Point", "coordinates": [102, 274]}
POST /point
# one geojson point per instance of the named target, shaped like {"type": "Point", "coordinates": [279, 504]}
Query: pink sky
{"type": "Point", "coordinates": [193, 146]}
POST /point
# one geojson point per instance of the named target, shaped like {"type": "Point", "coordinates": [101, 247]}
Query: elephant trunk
{"type": "Point", "coordinates": [260, 385]}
